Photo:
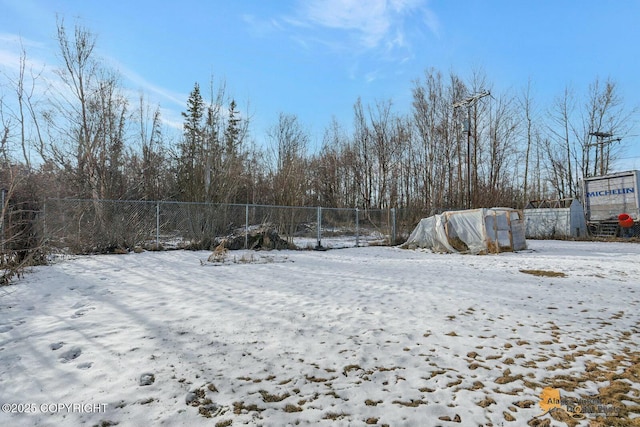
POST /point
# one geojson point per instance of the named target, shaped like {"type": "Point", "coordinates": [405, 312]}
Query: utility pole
{"type": "Point", "coordinates": [599, 144]}
{"type": "Point", "coordinates": [469, 102]}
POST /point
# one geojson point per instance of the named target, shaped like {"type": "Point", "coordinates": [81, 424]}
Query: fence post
{"type": "Point", "coordinates": [357, 228]}
{"type": "Point", "coordinates": [393, 226]}
{"type": "Point", "coordinates": [157, 225]}
{"type": "Point", "coordinates": [319, 227]}
{"type": "Point", "coordinates": [246, 226]}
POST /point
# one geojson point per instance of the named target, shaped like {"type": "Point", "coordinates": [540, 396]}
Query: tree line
{"type": "Point", "coordinates": [83, 136]}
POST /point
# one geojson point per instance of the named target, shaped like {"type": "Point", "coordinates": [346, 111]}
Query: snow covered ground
{"type": "Point", "coordinates": [358, 336]}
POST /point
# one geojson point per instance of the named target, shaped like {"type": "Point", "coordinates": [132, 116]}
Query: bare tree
{"type": "Point", "coordinates": [563, 132]}
{"type": "Point", "coordinates": [583, 140]}
{"type": "Point", "coordinates": [527, 109]}
{"type": "Point", "coordinates": [478, 124]}
{"type": "Point", "coordinates": [87, 129]}
{"type": "Point", "coordinates": [605, 118]}
{"type": "Point", "coordinates": [87, 120]}
{"type": "Point", "coordinates": [425, 99]}
{"type": "Point", "coordinates": [151, 148]}
{"type": "Point", "coordinates": [438, 152]}
{"type": "Point", "coordinates": [332, 176]}
{"type": "Point", "coordinates": [363, 160]}
{"type": "Point", "coordinates": [500, 164]}
{"type": "Point", "coordinates": [147, 165]}
{"type": "Point", "coordinates": [24, 101]}
{"type": "Point", "coordinates": [20, 242]}
{"type": "Point", "coordinates": [386, 148]}
{"type": "Point", "coordinates": [289, 142]}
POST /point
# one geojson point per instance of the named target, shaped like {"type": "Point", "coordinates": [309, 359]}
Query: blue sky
{"type": "Point", "coordinates": [314, 58]}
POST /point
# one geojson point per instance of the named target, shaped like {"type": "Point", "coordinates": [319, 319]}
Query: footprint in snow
{"type": "Point", "coordinates": [85, 365]}
{"type": "Point", "coordinates": [86, 291]}
{"type": "Point", "coordinates": [5, 328]}
{"type": "Point", "coordinates": [147, 379]}
{"type": "Point", "coordinates": [56, 345]}
{"type": "Point", "coordinates": [19, 322]}
{"type": "Point", "coordinates": [82, 312]}
{"type": "Point", "coordinates": [71, 354]}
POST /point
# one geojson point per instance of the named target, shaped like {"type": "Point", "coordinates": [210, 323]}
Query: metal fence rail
{"type": "Point", "coordinates": [83, 226]}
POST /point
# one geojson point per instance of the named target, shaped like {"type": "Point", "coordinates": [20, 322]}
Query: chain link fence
{"type": "Point", "coordinates": [20, 237]}
{"type": "Point", "coordinates": [86, 226]}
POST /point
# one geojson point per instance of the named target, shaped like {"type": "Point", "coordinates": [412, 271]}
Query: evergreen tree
{"type": "Point", "coordinates": [190, 162]}
{"type": "Point", "coordinates": [233, 178]}
{"type": "Point", "coordinates": [232, 134]}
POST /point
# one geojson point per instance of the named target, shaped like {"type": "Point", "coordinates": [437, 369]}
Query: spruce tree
{"type": "Point", "coordinates": [190, 169]}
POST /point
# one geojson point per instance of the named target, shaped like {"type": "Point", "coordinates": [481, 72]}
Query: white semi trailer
{"type": "Point", "coordinates": [607, 197]}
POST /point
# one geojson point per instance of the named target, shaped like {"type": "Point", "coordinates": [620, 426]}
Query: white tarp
{"type": "Point", "coordinates": [473, 231]}
{"type": "Point", "coordinates": [550, 222]}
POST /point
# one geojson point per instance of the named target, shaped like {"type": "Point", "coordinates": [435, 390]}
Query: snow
{"type": "Point", "coordinates": [342, 337]}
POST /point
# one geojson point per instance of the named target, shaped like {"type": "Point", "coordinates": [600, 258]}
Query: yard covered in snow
{"type": "Point", "coordinates": [358, 336]}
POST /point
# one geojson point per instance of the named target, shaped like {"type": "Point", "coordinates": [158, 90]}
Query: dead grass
{"type": "Point", "coordinates": [455, 419]}
{"type": "Point", "coordinates": [271, 398]}
{"type": "Point", "coordinates": [410, 403]}
{"type": "Point", "coordinates": [525, 403]}
{"type": "Point", "coordinates": [508, 417]}
{"type": "Point", "coordinates": [507, 377]}
{"type": "Point", "coordinates": [544, 273]}
{"type": "Point", "coordinates": [454, 383]}
{"type": "Point", "coordinates": [240, 407]}
{"type": "Point", "coordinates": [350, 368]}
{"type": "Point", "coordinates": [477, 385]}
{"type": "Point", "coordinates": [487, 401]}
{"type": "Point", "coordinates": [617, 377]}
{"type": "Point", "coordinates": [314, 379]}
{"type": "Point", "coordinates": [334, 416]}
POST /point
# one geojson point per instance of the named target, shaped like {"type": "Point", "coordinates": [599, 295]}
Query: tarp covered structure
{"type": "Point", "coordinates": [475, 231]}
{"type": "Point", "coordinates": [555, 219]}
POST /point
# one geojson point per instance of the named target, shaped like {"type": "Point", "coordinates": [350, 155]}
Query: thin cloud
{"type": "Point", "coordinates": [18, 40]}
{"type": "Point", "coordinates": [369, 20]}
{"type": "Point", "coordinates": [261, 27]}
{"type": "Point", "coordinates": [372, 76]}
{"type": "Point", "coordinates": [145, 85]}
{"type": "Point", "coordinates": [384, 31]}
{"type": "Point", "coordinates": [373, 24]}
{"type": "Point", "coordinates": [11, 54]}
{"type": "Point", "coordinates": [169, 116]}
{"type": "Point", "coordinates": [432, 22]}
{"type": "Point", "coordinates": [9, 60]}
{"type": "Point", "coordinates": [47, 79]}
